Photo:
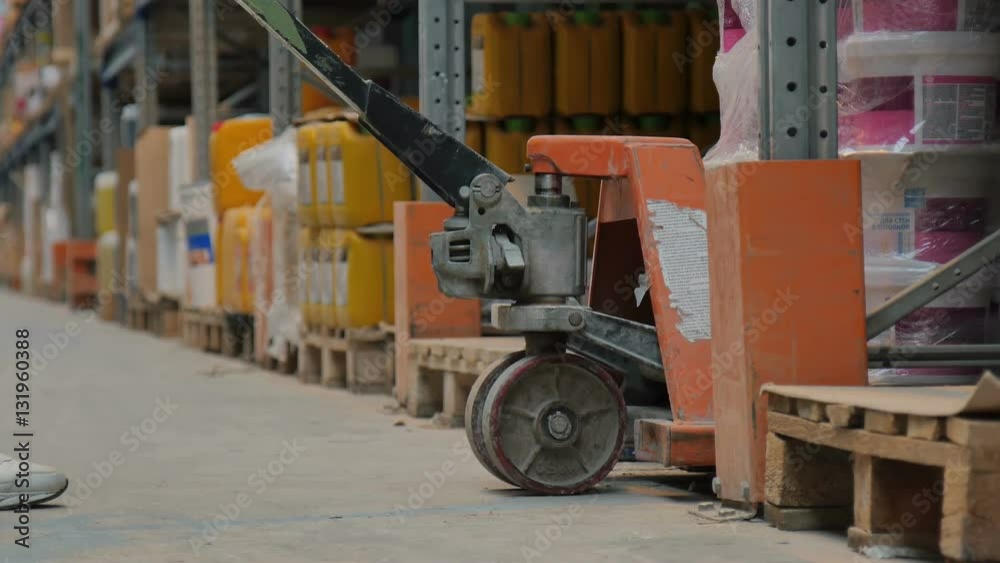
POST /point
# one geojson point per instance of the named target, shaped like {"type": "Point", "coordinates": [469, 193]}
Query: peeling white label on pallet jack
{"type": "Point", "coordinates": [681, 236]}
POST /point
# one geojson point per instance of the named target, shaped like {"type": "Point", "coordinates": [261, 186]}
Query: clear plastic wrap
{"type": "Point", "coordinates": [273, 167]}
{"type": "Point", "coordinates": [914, 74]}
{"type": "Point", "coordinates": [919, 211]}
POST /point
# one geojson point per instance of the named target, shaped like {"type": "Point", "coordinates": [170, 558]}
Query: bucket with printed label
{"type": "Point", "coordinates": [870, 16]}
{"type": "Point", "coordinates": [920, 205]}
{"type": "Point", "coordinates": [902, 92]}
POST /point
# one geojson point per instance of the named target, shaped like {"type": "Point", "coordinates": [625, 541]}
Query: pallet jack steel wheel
{"type": "Point", "coordinates": [554, 424]}
{"type": "Point", "coordinates": [474, 410]}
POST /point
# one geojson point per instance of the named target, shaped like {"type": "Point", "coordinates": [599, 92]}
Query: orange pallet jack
{"type": "Point", "coordinates": [552, 419]}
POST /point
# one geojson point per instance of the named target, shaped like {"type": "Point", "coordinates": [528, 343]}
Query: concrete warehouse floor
{"type": "Point", "coordinates": [175, 455]}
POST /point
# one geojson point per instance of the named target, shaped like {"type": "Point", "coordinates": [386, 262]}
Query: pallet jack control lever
{"type": "Point", "coordinates": [443, 163]}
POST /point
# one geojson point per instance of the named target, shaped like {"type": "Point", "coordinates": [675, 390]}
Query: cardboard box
{"type": "Point", "coordinates": [152, 162]}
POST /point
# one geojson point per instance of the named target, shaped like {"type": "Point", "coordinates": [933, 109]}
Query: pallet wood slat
{"type": "Point", "coordinates": [922, 486]}
{"type": "Point", "coordinates": [844, 416]}
{"type": "Point", "coordinates": [443, 371]}
{"type": "Point", "coordinates": [360, 360]}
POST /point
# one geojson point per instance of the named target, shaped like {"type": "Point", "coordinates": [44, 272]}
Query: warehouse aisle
{"type": "Point", "coordinates": [174, 455]}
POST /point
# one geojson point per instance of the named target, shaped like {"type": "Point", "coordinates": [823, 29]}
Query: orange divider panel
{"type": "Point", "coordinates": [787, 295]}
{"type": "Point", "coordinates": [422, 311]}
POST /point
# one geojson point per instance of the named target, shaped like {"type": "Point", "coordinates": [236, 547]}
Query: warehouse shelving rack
{"type": "Point", "coordinates": [45, 131]}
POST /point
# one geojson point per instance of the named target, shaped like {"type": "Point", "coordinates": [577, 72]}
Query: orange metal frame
{"type": "Point", "coordinates": [638, 172]}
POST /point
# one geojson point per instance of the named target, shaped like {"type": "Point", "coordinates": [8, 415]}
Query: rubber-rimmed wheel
{"type": "Point", "coordinates": [554, 424]}
{"type": "Point", "coordinates": [474, 410]}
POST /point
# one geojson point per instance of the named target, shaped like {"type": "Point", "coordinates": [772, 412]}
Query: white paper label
{"type": "Point", "coordinates": [958, 110]}
{"type": "Point", "coordinates": [322, 178]}
{"type": "Point", "coordinates": [890, 234]}
{"type": "Point", "coordinates": [326, 289]}
{"type": "Point", "coordinates": [305, 183]}
{"type": "Point", "coordinates": [341, 272]}
{"type": "Point", "coordinates": [316, 287]}
{"type": "Point", "coordinates": [478, 67]}
{"type": "Point", "coordinates": [681, 236]}
{"type": "Point", "coordinates": [337, 176]}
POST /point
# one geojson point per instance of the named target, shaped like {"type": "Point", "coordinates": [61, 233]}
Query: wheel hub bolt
{"type": "Point", "coordinates": [559, 425]}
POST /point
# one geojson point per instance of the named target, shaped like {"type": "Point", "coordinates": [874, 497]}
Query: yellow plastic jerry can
{"type": "Point", "coordinates": [307, 268]}
{"type": "Point", "coordinates": [587, 63]}
{"type": "Point", "coordinates": [654, 79]}
{"type": "Point", "coordinates": [105, 185]}
{"type": "Point", "coordinates": [234, 260]}
{"type": "Point", "coordinates": [308, 145]}
{"type": "Point", "coordinates": [668, 126]}
{"type": "Point", "coordinates": [704, 28]}
{"type": "Point", "coordinates": [327, 159]}
{"type": "Point", "coordinates": [585, 191]}
{"type": "Point", "coordinates": [366, 179]}
{"type": "Point", "coordinates": [704, 130]}
{"type": "Point", "coordinates": [323, 277]}
{"type": "Point", "coordinates": [363, 288]}
{"type": "Point", "coordinates": [475, 136]}
{"type": "Point", "coordinates": [231, 138]}
{"type": "Point", "coordinates": [507, 141]}
{"type": "Point", "coordinates": [511, 65]}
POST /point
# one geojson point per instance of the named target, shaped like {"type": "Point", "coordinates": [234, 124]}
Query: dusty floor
{"type": "Point", "coordinates": [175, 455]}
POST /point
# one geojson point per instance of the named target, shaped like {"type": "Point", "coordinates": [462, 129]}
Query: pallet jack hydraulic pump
{"type": "Point", "coordinates": [550, 419]}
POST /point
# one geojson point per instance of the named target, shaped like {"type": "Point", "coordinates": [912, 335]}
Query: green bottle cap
{"type": "Point", "coordinates": [653, 17]}
{"type": "Point", "coordinates": [649, 123]}
{"type": "Point", "coordinates": [518, 19]}
{"type": "Point", "coordinates": [585, 123]}
{"type": "Point", "coordinates": [519, 124]}
{"type": "Point", "coordinates": [587, 17]}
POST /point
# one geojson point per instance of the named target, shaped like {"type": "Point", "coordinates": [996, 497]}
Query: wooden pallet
{"type": "Point", "coordinates": [921, 485]}
{"type": "Point", "coordinates": [160, 317]}
{"type": "Point", "coordinates": [359, 359]}
{"type": "Point", "coordinates": [202, 329]}
{"type": "Point", "coordinates": [286, 366]}
{"type": "Point", "coordinates": [442, 372]}
{"type": "Point", "coordinates": [218, 331]}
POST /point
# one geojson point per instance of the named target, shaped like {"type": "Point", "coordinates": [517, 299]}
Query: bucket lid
{"type": "Point", "coordinates": [652, 123]}
{"type": "Point", "coordinates": [519, 124]}
{"type": "Point", "coordinates": [586, 123]}
{"type": "Point", "coordinates": [587, 17]}
{"type": "Point", "coordinates": [519, 19]}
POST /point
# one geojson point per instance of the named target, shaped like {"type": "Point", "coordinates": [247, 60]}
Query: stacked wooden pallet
{"type": "Point", "coordinates": [359, 359]}
{"type": "Point", "coordinates": [158, 315]}
{"type": "Point", "coordinates": [922, 465]}
{"type": "Point", "coordinates": [442, 372]}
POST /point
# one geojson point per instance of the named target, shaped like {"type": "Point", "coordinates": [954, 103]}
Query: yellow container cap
{"type": "Point", "coordinates": [587, 17]}
{"type": "Point", "coordinates": [517, 19]}
{"type": "Point", "coordinates": [519, 124]}
{"type": "Point", "coordinates": [586, 123]}
{"type": "Point", "coordinates": [653, 123]}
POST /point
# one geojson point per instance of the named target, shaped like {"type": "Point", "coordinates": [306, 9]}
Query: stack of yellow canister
{"type": "Point", "coordinates": [348, 185]}
{"type": "Point", "coordinates": [108, 242]}
{"type": "Point", "coordinates": [646, 72]}
{"type": "Point", "coordinates": [512, 80]}
{"type": "Point", "coordinates": [235, 203]}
